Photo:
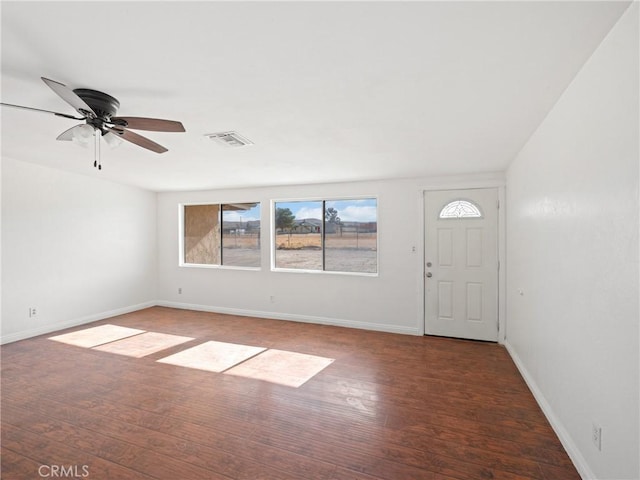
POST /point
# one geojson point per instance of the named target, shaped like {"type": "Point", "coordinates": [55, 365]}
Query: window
{"type": "Point", "coordinates": [222, 234]}
{"type": "Point", "coordinates": [460, 209]}
{"type": "Point", "coordinates": [328, 235]}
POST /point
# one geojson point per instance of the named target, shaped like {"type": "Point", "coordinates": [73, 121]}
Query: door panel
{"type": "Point", "coordinates": [445, 247]}
{"type": "Point", "coordinates": [474, 302]}
{"type": "Point", "coordinates": [474, 247]}
{"type": "Point", "coordinates": [445, 300]}
{"type": "Point", "coordinates": [461, 271]}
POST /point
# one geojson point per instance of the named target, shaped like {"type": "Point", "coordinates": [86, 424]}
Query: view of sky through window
{"type": "Point", "coordinates": [358, 210]}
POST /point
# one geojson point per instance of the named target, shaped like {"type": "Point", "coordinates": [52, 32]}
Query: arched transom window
{"type": "Point", "coordinates": [460, 209]}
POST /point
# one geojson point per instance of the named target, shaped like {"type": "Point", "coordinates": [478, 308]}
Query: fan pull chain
{"type": "Point", "coordinates": [97, 162]}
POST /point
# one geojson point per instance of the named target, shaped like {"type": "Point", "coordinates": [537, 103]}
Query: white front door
{"type": "Point", "coordinates": [461, 263]}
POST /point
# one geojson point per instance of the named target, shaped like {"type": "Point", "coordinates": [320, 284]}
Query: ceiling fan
{"type": "Point", "coordinates": [98, 111]}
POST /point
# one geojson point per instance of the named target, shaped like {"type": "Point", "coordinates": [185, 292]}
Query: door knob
{"type": "Point", "coordinates": [429, 274]}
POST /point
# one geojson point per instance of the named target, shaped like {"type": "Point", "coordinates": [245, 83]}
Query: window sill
{"type": "Point", "coordinates": [218, 267]}
{"type": "Point", "coordinates": [324, 272]}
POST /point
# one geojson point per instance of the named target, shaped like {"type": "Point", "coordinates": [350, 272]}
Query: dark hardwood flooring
{"type": "Point", "coordinates": [392, 407]}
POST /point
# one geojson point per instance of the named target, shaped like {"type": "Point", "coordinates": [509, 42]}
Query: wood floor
{"type": "Point", "coordinates": [392, 407]}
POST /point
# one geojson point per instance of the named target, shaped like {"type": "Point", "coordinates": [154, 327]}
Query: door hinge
{"type": "Point", "coordinates": [498, 204]}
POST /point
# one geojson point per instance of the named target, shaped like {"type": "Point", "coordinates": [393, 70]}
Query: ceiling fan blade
{"type": "Point", "coordinates": [151, 124]}
{"type": "Point", "coordinates": [70, 97]}
{"type": "Point", "coordinates": [57, 114]}
{"type": "Point", "coordinates": [139, 140]}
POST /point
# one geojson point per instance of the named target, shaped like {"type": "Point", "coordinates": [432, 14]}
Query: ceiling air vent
{"type": "Point", "coordinates": [230, 139]}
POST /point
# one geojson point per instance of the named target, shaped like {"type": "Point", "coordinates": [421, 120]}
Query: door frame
{"type": "Point", "coordinates": [493, 181]}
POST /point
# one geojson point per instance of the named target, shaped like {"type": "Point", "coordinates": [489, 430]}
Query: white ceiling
{"type": "Point", "coordinates": [327, 91]}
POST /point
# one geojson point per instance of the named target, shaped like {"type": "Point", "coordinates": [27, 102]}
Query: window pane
{"type": "Point", "coordinates": [351, 236]}
{"type": "Point", "coordinates": [298, 239]}
{"type": "Point", "coordinates": [241, 234]}
{"type": "Point", "coordinates": [202, 234]}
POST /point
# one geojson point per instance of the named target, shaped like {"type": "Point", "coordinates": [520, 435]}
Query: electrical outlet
{"type": "Point", "coordinates": [180, 291]}
{"type": "Point", "coordinates": [32, 312]}
{"type": "Point", "coordinates": [596, 436]}
{"type": "Point", "coordinates": [272, 299]}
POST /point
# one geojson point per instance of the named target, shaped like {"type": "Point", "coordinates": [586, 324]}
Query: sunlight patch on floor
{"type": "Point", "coordinates": [212, 356]}
{"type": "Point", "coordinates": [144, 344]}
{"type": "Point", "coordinates": [291, 369]}
{"type": "Point", "coordinates": [284, 368]}
{"type": "Point", "coordinates": [92, 337]}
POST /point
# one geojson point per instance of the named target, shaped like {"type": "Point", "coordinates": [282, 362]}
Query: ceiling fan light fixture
{"type": "Point", "coordinates": [229, 139]}
{"type": "Point", "coordinates": [83, 135]}
{"type": "Point", "coordinates": [112, 140]}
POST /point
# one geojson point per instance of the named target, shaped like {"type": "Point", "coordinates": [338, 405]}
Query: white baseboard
{"type": "Point", "coordinates": [293, 317]}
{"type": "Point", "coordinates": [567, 442]}
{"type": "Point", "coordinates": [54, 327]}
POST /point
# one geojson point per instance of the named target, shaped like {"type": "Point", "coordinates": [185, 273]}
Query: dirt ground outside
{"type": "Point", "coordinates": [346, 253]}
{"type": "Point", "coordinates": [343, 253]}
{"type": "Point", "coordinates": [363, 241]}
{"type": "Point", "coordinates": [336, 260]}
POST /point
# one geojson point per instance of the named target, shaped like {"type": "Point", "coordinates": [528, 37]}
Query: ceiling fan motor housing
{"type": "Point", "coordinates": [105, 106]}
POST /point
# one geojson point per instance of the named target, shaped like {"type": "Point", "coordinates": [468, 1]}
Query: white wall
{"type": "Point", "coordinates": [387, 302]}
{"type": "Point", "coordinates": [392, 301]}
{"type": "Point", "coordinates": [572, 249]}
{"type": "Point", "coordinates": [75, 247]}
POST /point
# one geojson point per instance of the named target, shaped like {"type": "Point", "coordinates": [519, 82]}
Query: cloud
{"type": "Point", "coordinates": [355, 213]}
{"type": "Point", "coordinates": [238, 215]}
{"type": "Point", "coordinates": [357, 210]}
{"type": "Point", "coordinates": [307, 212]}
